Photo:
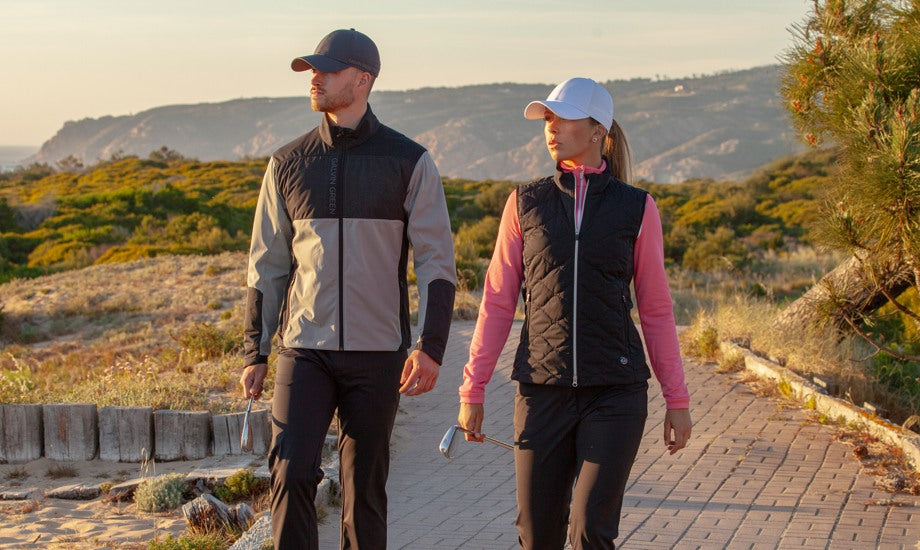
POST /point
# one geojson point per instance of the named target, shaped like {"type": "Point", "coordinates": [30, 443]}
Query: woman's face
{"type": "Point", "coordinates": [571, 140]}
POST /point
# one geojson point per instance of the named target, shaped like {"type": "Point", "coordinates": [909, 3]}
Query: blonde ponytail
{"type": "Point", "coordinates": [617, 153]}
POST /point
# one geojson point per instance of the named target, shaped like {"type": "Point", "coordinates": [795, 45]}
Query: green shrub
{"type": "Point", "coordinates": [476, 241]}
{"type": "Point", "coordinates": [732, 361]}
{"type": "Point", "coordinates": [213, 270]}
{"type": "Point", "coordinates": [63, 254]}
{"type": "Point", "coordinates": [205, 341]}
{"type": "Point", "coordinates": [701, 340]}
{"type": "Point", "coordinates": [160, 493]}
{"type": "Point", "coordinates": [7, 217]}
{"type": "Point", "coordinates": [493, 199]}
{"type": "Point", "coordinates": [202, 541]}
{"type": "Point", "coordinates": [240, 486]}
{"type": "Point", "coordinates": [718, 249]}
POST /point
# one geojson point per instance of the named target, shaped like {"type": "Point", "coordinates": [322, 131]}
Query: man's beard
{"type": "Point", "coordinates": [328, 103]}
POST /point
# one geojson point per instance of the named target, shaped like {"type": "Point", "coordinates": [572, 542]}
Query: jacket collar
{"type": "Point", "coordinates": [565, 181]}
{"type": "Point", "coordinates": [336, 136]}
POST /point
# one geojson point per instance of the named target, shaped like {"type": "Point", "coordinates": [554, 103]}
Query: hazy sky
{"type": "Point", "coordinates": [70, 59]}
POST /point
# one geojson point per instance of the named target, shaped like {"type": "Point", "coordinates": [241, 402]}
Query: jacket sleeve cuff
{"type": "Point", "coordinates": [438, 313]}
{"type": "Point", "coordinates": [472, 396]}
{"type": "Point", "coordinates": [431, 349]}
{"type": "Point", "coordinates": [678, 403]}
{"type": "Point", "coordinates": [251, 359]}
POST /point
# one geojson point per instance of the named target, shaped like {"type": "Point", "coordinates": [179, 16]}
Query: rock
{"type": "Point", "coordinates": [209, 513]}
{"type": "Point", "coordinates": [16, 495]}
{"type": "Point", "coordinates": [123, 491]}
{"type": "Point", "coordinates": [206, 513]}
{"type": "Point", "coordinates": [328, 492]}
{"type": "Point", "coordinates": [257, 536]}
{"type": "Point", "coordinates": [241, 516]}
{"type": "Point", "coordinates": [75, 492]}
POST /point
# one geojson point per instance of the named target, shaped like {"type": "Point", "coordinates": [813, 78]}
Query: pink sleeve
{"type": "Point", "coordinates": [499, 300]}
{"type": "Point", "coordinates": [656, 312]}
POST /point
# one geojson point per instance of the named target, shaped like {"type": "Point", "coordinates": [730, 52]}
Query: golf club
{"type": "Point", "coordinates": [246, 437]}
{"type": "Point", "coordinates": [447, 442]}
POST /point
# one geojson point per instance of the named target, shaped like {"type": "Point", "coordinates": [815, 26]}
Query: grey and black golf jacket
{"type": "Point", "coordinates": [336, 213]}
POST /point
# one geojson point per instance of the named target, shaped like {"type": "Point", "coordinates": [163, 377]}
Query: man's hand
{"type": "Point", "coordinates": [677, 428]}
{"type": "Point", "coordinates": [419, 374]}
{"type": "Point", "coordinates": [252, 379]}
{"type": "Point", "coordinates": [470, 418]}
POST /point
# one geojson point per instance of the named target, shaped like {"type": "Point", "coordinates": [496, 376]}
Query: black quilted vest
{"type": "Point", "coordinates": [578, 330]}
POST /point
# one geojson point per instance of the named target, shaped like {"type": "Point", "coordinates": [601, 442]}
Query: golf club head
{"type": "Point", "coordinates": [246, 436]}
{"type": "Point", "coordinates": [448, 441]}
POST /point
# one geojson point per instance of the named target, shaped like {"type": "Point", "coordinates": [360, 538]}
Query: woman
{"type": "Point", "coordinates": [575, 241]}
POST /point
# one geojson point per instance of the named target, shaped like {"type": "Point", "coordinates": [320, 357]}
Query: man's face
{"type": "Point", "coordinates": [332, 92]}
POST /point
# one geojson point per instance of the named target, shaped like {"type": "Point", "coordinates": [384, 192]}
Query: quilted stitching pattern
{"type": "Point", "coordinates": [609, 349]}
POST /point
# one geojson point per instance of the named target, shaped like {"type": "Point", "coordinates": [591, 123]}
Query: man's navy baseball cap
{"type": "Point", "coordinates": [339, 50]}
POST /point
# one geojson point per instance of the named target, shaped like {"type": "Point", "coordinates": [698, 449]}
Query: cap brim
{"type": "Point", "coordinates": [536, 109]}
{"type": "Point", "coordinates": [319, 62]}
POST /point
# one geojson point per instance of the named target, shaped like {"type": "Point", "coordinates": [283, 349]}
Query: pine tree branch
{"type": "Point", "coordinates": [885, 349]}
{"type": "Point", "coordinates": [900, 307]}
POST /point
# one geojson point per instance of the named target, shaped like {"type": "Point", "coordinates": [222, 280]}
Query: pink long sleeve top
{"type": "Point", "coordinates": [503, 285]}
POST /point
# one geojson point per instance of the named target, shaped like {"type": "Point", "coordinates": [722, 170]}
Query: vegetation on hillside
{"type": "Point", "coordinates": [123, 209]}
{"type": "Point", "coordinates": [722, 240]}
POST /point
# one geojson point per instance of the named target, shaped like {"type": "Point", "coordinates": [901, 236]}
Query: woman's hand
{"type": "Point", "coordinates": [677, 428]}
{"type": "Point", "coordinates": [470, 418]}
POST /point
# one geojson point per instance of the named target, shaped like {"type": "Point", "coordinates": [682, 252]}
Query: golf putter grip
{"type": "Point", "coordinates": [487, 438]}
{"type": "Point", "coordinates": [246, 436]}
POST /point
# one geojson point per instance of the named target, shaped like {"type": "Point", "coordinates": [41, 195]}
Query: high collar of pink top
{"type": "Point", "coordinates": [581, 185]}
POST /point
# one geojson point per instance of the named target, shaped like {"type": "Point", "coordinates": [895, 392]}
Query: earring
{"type": "Point", "coordinates": [594, 139]}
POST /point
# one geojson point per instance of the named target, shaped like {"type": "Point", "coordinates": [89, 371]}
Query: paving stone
{"type": "Point", "coordinates": [752, 477]}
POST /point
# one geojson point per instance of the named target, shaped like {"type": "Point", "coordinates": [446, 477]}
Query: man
{"type": "Point", "coordinates": [337, 211]}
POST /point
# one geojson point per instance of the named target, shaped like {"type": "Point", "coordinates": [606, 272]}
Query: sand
{"type": "Point", "coordinates": [43, 522]}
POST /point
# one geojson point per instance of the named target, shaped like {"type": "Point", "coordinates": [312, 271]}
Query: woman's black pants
{"type": "Point", "coordinates": [574, 450]}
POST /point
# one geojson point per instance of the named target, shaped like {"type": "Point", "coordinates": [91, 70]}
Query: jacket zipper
{"type": "Point", "coordinates": [575, 289]}
{"type": "Point", "coordinates": [342, 247]}
{"type": "Point", "coordinates": [575, 318]}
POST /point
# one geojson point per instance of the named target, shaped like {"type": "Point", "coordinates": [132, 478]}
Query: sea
{"type": "Point", "coordinates": [12, 156]}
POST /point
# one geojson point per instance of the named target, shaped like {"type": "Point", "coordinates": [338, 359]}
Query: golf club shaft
{"type": "Point", "coordinates": [487, 438]}
{"type": "Point", "coordinates": [497, 442]}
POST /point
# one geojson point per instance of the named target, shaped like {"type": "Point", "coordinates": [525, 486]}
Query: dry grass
{"type": "Point", "coordinates": [61, 471]}
{"type": "Point", "coordinates": [17, 473]}
{"type": "Point", "coordinates": [820, 352]}
{"type": "Point", "coordinates": [779, 276]}
{"type": "Point", "coordinates": [144, 333]}
{"type": "Point", "coordinates": [163, 332]}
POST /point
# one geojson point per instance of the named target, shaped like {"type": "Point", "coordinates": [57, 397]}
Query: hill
{"type": "Point", "coordinates": [722, 126]}
{"type": "Point", "coordinates": [131, 208]}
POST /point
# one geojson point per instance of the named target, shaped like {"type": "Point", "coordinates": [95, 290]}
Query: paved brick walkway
{"type": "Point", "coordinates": [754, 476]}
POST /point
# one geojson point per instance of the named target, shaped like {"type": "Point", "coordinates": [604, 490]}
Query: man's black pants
{"type": "Point", "coordinates": [309, 386]}
{"type": "Point", "coordinates": [586, 436]}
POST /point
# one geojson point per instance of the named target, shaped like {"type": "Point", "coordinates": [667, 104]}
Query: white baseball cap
{"type": "Point", "coordinates": [574, 99]}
